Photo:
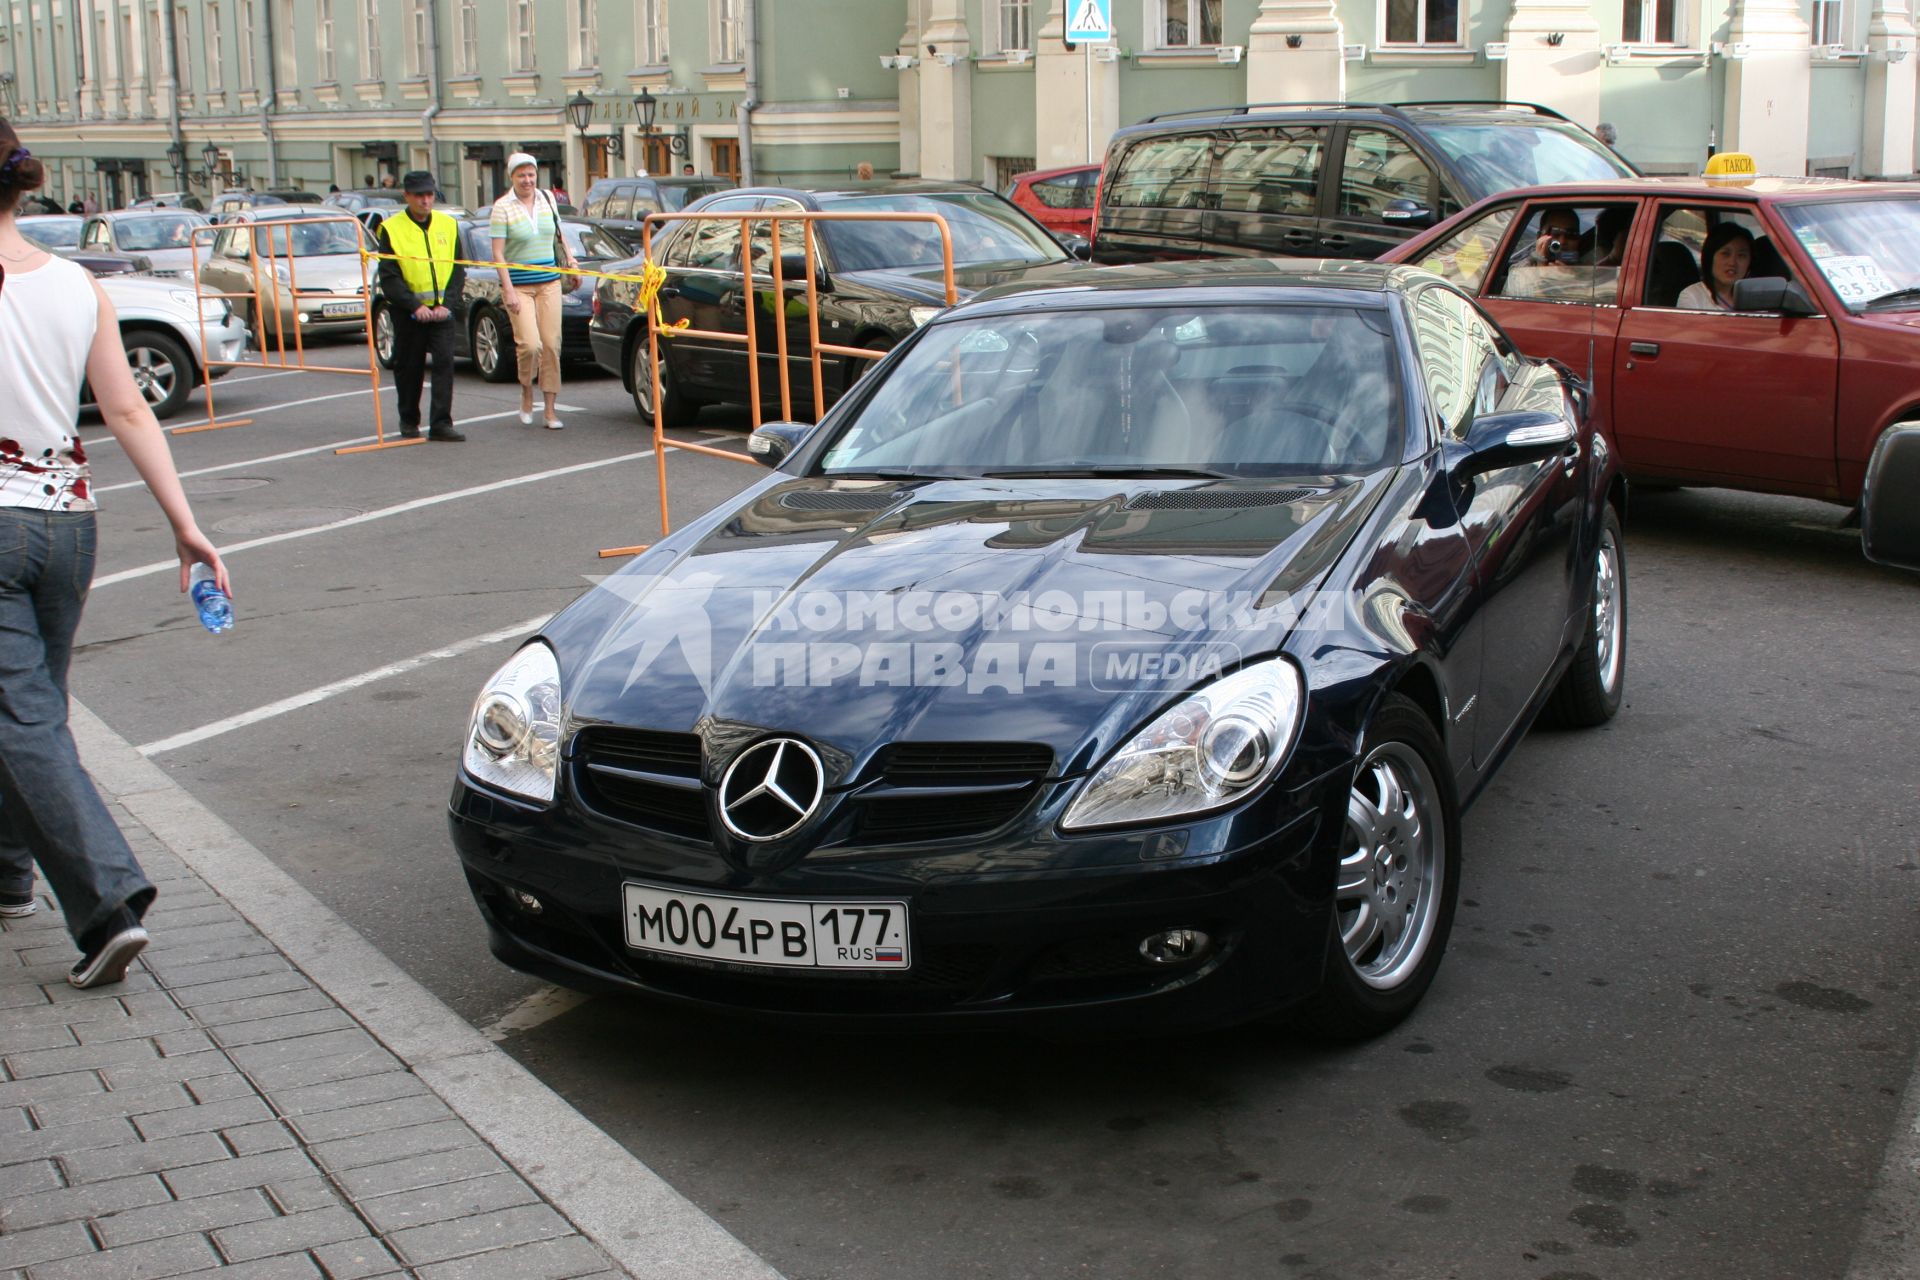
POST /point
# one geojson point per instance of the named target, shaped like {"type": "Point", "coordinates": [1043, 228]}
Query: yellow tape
{"type": "Point", "coordinates": [651, 278]}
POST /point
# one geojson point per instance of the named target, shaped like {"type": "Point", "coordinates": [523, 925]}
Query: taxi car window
{"type": "Point", "coordinates": [1676, 261]}
{"type": "Point", "coordinates": [1163, 173]}
{"type": "Point", "coordinates": [1460, 359]}
{"type": "Point", "coordinates": [1271, 171]}
{"type": "Point", "coordinates": [1378, 168]}
{"type": "Point", "coordinates": [1566, 253]}
{"type": "Point", "coordinates": [1868, 250]}
{"type": "Point", "coordinates": [1464, 256]}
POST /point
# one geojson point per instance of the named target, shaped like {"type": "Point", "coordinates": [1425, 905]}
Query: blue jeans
{"type": "Point", "coordinates": [50, 812]}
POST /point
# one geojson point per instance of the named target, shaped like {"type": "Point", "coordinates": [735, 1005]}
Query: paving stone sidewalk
{"type": "Point", "coordinates": [218, 1111]}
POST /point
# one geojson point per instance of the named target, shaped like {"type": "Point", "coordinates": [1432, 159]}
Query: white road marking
{"type": "Point", "coordinates": [326, 691]}
{"type": "Point", "coordinates": [282, 457]}
{"type": "Point", "coordinates": [232, 381]}
{"type": "Point", "coordinates": [541, 1006]}
{"type": "Point", "coordinates": [163, 566]}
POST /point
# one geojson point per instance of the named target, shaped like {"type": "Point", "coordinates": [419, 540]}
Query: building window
{"type": "Point", "coordinates": [469, 36]}
{"type": "Point", "coordinates": [289, 62]}
{"type": "Point", "coordinates": [182, 44]}
{"type": "Point", "coordinates": [1014, 30]}
{"type": "Point", "coordinates": [523, 46]}
{"type": "Point", "coordinates": [586, 33]}
{"type": "Point", "coordinates": [1417, 22]}
{"type": "Point", "coordinates": [419, 36]}
{"type": "Point", "coordinates": [216, 73]}
{"type": "Point", "coordinates": [1829, 22]}
{"type": "Point", "coordinates": [370, 40]}
{"type": "Point", "coordinates": [156, 61]}
{"type": "Point", "coordinates": [729, 31]}
{"type": "Point", "coordinates": [245, 31]}
{"type": "Point", "coordinates": [1650, 22]}
{"type": "Point", "coordinates": [650, 32]}
{"type": "Point", "coordinates": [329, 63]}
{"type": "Point", "coordinates": [1185, 24]}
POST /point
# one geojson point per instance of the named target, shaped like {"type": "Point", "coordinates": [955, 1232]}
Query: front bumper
{"type": "Point", "coordinates": [1022, 945]}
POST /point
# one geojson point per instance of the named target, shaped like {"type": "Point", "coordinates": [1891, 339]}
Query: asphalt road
{"type": "Point", "coordinates": [1669, 1039]}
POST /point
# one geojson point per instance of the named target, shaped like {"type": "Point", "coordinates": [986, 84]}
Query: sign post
{"type": "Point", "coordinates": [1088, 22]}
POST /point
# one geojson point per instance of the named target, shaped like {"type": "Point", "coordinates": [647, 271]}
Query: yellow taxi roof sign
{"type": "Point", "coordinates": [1729, 163]}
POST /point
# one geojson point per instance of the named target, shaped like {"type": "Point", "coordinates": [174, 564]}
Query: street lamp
{"type": "Point", "coordinates": [580, 111]}
{"type": "Point", "coordinates": [177, 158]}
{"type": "Point", "coordinates": [210, 159]}
{"type": "Point", "coordinates": [644, 107]}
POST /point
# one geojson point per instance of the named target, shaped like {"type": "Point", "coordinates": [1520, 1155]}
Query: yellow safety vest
{"type": "Point", "coordinates": [426, 256]}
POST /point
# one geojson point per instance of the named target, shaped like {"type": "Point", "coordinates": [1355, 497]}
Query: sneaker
{"type": "Point", "coordinates": [409, 431]}
{"type": "Point", "coordinates": [18, 904]}
{"type": "Point", "coordinates": [446, 433]}
{"type": "Point", "coordinates": [109, 949]}
{"type": "Point", "coordinates": [554, 424]}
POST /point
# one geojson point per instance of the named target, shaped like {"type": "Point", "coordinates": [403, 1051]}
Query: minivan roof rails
{"type": "Point", "coordinates": [1391, 108]}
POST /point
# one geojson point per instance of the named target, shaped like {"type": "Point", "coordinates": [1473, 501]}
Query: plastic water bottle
{"type": "Point", "coordinates": [215, 606]}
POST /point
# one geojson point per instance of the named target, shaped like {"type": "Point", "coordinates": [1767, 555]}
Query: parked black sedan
{"type": "Point", "coordinates": [1117, 656]}
{"type": "Point", "coordinates": [876, 282]}
{"type": "Point", "coordinates": [485, 330]}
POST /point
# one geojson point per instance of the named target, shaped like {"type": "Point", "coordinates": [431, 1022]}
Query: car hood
{"type": "Point", "coordinates": [706, 630]}
{"type": "Point", "coordinates": [928, 284]}
{"type": "Point", "coordinates": [148, 294]}
{"type": "Point", "coordinates": [1904, 321]}
{"type": "Point", "coordinates": [339, 272]}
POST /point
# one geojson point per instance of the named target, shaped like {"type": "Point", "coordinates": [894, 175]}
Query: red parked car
{"type": "Point", "coordinates": [1059, 199]}
{"type": "Point", "coordinates": [1801, 375]}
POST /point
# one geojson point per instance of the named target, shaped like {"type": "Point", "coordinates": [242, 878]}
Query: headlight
{"type": "Point", "coordinates": [513, 741]}
{"type": "Point", "coordinates": [920, 315]}
{"type": "Point", "coordinates": [1208, 750]}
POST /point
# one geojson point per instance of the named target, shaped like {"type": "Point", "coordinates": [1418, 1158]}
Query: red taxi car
{"type": "Point", "coordinates": [1796, 371]}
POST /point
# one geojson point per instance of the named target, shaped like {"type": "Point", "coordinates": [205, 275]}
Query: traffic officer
{"type": "Point", "coordinates": [422, 283]}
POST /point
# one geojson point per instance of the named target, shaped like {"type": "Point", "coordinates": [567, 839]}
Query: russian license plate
{"type": "Point", "coordinates": [332, 309]}
{"type": "Point", "coordinates": [789, 933]}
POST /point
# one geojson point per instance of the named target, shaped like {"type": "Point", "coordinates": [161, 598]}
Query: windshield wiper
{"type": "Point", "coordinates": [1898, 295]}
{"type": "Point", "coordinates": [883, 475]}
{"type": "Point", "coordinates": [1116, 472]}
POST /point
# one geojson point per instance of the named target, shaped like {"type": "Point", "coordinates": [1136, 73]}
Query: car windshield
{"type": "Point", "coordinates": [52, 233]}
{"type": "Point", "coordinates": [1869, 250]}
{"type": "Point", "coordinates": [678, 196]}
{"type": "Point", "coordinates": [161, 231]}
{"type": "Point", "coordinates": [1500, 157]}
{"type": "Point", "coordinates": [309, 239]}
{"type": "Point", "coordinates": [984, 227]}
{"type": "Point", "coordinates": [1218, 390]}
{"type": "Point", "coordinates": [587, 241]}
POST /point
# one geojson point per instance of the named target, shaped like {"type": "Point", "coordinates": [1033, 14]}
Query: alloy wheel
{"type": "Point", "coordinates": [1608, 617]}
{"type": "Point", "coordinates": [1388, 894]}
{"type": "Point", "coordinates": [154, 372]}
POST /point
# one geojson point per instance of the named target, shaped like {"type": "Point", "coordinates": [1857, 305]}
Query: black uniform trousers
{"type": "Point", "coordinates": [413, 341]}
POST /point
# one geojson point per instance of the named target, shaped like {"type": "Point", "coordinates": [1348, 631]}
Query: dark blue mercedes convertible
{"type": "Point", "coordinates": [1116, 655]}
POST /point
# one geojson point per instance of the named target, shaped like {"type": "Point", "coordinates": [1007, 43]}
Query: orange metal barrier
{"type": "Point", "coordinates": [286, 298]}
{"type": "Point", "coordinates": [751, 339]}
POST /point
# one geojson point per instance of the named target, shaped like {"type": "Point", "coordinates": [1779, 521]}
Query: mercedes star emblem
{"type": "Point", "coordinates": [770, 789]}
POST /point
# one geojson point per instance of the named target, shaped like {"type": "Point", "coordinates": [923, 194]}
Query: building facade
{"type": "Point", "coordinates": [319, 93]}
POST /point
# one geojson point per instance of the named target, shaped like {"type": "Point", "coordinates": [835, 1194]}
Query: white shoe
{"type": "Point", "coordinates": [526, 417]}
{"type": "Point", "coordinates": [554, 424]}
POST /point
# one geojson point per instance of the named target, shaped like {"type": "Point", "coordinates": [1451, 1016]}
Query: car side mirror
{"type": "Point", "coordinates": [1520, 438]}
{"type": "Point", "coordinates": [1889, 518]}
{"type": "Point", "coordinates": [1076, 245]}
{"type": "Point", "coordinates": [1407, 213]}
{"type": "Point", "coordinates": [773, 443]}
{"type": "Point", "coordinates": [1772, 293]}
{"type": "Point", "coordinates": [793, 270]}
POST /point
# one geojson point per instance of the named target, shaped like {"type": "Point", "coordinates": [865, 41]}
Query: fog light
{"type": "Point", "coordinates": [527, 902]}
{"type": "Point", "coordinates": [1175, 946]}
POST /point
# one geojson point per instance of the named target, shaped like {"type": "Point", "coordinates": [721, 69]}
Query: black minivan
{"type": "Point", "coordinates": [1324, 180]}
{"type": "Point", "coordinates": [621, 205]}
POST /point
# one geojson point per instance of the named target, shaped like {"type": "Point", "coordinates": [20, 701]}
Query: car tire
{"type": "Point", "coordinates": [493, 353]}
{"type": "Point", "coordinates": [162, 369]}
{"type": "Point", "coordinates": [1590, 692]}
{"type": "Point", "coordinates": [1396, 883]}
{"type": "Point", "coordinates": [676, 406]}
{"type": "Point", "coordinates": [383, 336]}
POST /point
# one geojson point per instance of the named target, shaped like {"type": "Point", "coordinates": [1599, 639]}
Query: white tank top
{"type": "Point", "coordinates": [47, 321]}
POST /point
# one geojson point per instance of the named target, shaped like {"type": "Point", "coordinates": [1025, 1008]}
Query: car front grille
{"type": "Point", "coordinates": [937, 790]}
{"type": "Point", "coordinates": [645, 777]}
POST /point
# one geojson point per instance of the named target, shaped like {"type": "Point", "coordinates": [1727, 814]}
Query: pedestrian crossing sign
{"type": "Point", "coordinates": [1089, 20]}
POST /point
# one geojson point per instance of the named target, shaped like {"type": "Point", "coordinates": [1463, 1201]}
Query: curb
{"type": "Point", "coordinates": [624, 1207]}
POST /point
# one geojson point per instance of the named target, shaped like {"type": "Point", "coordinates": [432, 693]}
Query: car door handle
{"type": "Point", "coordinates": [668, 291]}
{"type": "Point", "coordinates": [1643, 348]}
{"type": "Point", "coordinates": [1298, 237]}
{"type": "Point", "coordinates": [1334, 242]}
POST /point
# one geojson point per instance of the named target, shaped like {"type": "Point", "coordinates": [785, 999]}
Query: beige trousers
{"type": "Point", "coordinates": [536, 334]}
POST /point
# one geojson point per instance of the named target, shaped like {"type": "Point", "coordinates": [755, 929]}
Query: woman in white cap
{"type": "Point", "coordinates": [526, 229]}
